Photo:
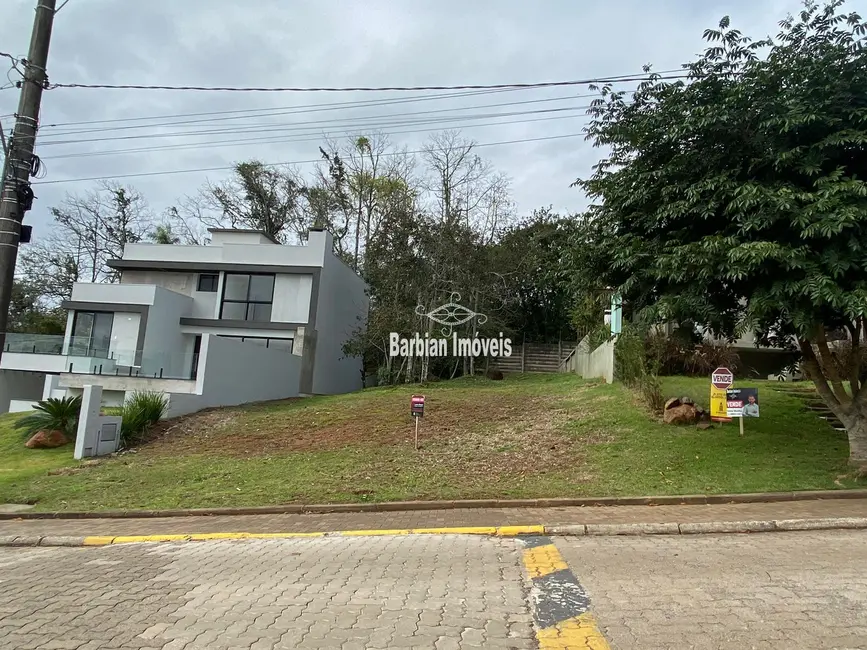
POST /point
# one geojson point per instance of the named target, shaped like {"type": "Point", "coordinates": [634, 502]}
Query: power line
{"type": "Point", "coordinates": [300, 138]}
{"type": "Point", "coordinates": [320, 106]}
{"type": "Point", "coordinates": [290, 89]}
{"type": "Point", "coordinates": [293, 162]}
{"type": "Point", "coordinates": [349, 123]}
{"type": "Point", "coordinates": [290, 111]}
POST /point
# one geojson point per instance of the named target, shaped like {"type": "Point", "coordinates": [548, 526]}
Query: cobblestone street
{"type": "Point", "coordinates": [781, 591]}
{"type": "Point", "coordinates": [805, 590]}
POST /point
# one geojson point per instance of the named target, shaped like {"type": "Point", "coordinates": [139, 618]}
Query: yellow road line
{"type": "Point", "coordinates": [542, 560]}
{"type": "Point", "coordinates": [578, 632]}
{"type": "Point", "coordinates": [502, 531]}
{"type": "Point", "coordinates": [561, 607]}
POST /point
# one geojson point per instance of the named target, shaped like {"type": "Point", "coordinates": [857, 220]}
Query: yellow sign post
{"type": "Point", "coordinates": [720, 380]}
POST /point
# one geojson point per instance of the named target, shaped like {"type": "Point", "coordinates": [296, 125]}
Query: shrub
{"type": "Point", "coordinates": [651, 392]}
{"type": "Point", "coordinates": [629, 356]}
{"type": "Point", "coordinates": [141, 411]}
{"type": "Point", "coordinates": [53, 414]}
{"type": "Point", "coordinates": [708, 357]}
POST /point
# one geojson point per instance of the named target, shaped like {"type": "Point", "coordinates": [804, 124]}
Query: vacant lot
{"type": "Point", "coordinates": [527, 436]}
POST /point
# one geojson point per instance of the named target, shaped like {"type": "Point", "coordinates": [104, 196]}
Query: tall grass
{"type": "Point", "coordinates": [141, 411]}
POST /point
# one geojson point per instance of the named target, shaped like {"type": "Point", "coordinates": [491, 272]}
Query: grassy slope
{"type": "Point", "coordinates": [534, 436]}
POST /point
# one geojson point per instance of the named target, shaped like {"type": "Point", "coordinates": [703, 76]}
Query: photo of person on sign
{"type": "Point", "coordinates": [751, 408]}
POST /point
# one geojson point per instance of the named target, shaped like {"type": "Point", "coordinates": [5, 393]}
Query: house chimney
{"type": "Point", "coordinates": [321, 238]}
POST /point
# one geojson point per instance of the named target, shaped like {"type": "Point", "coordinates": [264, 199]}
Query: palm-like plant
{"type": "Point", "coordinates": [53, 414]}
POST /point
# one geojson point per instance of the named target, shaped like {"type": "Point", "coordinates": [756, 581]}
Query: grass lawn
{"type": "Point", "coordinates": [527, 436]}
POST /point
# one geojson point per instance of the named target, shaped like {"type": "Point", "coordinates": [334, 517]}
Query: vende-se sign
{"type": "Point", "coordinates": [722, 378]}
{"type": "Point", "coordinates": [416, 406]}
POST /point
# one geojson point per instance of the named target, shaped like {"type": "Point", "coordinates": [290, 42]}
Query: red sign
{"type": "Point", "coordinates": [722, 378]}
{"type": "Point", "coordinates": [416, 406]}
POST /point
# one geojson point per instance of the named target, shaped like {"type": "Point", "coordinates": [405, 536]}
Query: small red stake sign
{"type": "Point", "coordinates": [416, 408]}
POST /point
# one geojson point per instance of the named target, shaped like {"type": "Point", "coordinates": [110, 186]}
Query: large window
{"type": "Point", "coordinates": [247, 297]}
{"type": "Point", "coordinates": [91, 334]}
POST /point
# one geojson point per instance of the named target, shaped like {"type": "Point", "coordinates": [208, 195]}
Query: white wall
{"type": "Point", "coordinates": [19, 386]}
{"type": "Point", "coordinates": [220, 238]}
{"type": "Point", "coordinates": [593, 364]}
{"type": "Point", "coordinates": [35, 362]}
{"type": "Point", "coordinates": [124, 294]}
{"type": "Point", "coordinates": [291, 298]}
{"type": "Point", "coordinates": [124, 337]}
{"type": "Point", "coordinates": [342, 310]}
{"type": "Point", "coordinates": [165, 345]}
{"type": "Point", "coordinates": [232, 253]}
{"type": "Point", "coordinates": [232, 373]}
{"type": "Point", "coordinates": [204, 302]}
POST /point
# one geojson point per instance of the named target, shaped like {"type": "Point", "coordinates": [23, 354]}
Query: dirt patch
{"type": "Point", "coordinates": [514, 429]}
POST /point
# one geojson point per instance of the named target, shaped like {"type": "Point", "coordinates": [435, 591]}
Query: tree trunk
{"type": "Point", "coordinates": [856, 428]}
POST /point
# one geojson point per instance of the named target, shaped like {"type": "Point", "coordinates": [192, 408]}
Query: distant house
{"type": "Point", "coordinates": [242, 319]}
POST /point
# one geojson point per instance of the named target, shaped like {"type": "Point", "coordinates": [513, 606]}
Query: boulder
{"type": "Point", "coordinates": [495, 375]}
{"type": "Point", "coordinates": [46, 440]}
{"type": "Point", "coordinates": [704, 426]}
{"type": "Point", "coordinates": [683, 414]}
{"type": "Point", "coordinates": [686, 400]}
{"type": "Point", "coordinates": [674, 402]}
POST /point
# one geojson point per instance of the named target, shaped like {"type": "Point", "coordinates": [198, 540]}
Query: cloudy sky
{"type": "Point", "coordinates": [339, 43]}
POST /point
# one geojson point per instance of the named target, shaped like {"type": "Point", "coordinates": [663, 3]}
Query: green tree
{"type": "Point", "coordinates": [28, 315]}
{"type": "Point", "coordinates": [531, 257]}
{"type": "Point", "coordinates": [163, 234]}
{"type": "Point", "coordinates": [737, 199]}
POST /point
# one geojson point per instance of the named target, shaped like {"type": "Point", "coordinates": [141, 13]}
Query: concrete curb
{"type": "Point", "coordinates": [407, 506]}
{"type": "Point", "coordinates": [574, 530]}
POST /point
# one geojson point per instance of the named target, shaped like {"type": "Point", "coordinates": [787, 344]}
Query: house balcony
{"type": "Point", "coordinates": [83, 356]}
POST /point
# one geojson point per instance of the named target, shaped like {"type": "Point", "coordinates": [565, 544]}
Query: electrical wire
{"type": "Point", "coordinates": [541, 84]}
{"type": "Point", "coordinates": [370, 122]}
{"type": "Point", "coordinates": [321, 106]}
{"type": "Point", "coordinates": [290, 111]}
{"type": "Point", "coordinates": [300, 138]}
{"type": "Point", "coordinates": [292, 162]}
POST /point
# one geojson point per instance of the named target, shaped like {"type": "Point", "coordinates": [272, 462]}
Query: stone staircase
{"type": "Point", "coordinates": [536, 357]}
{"type": "Point", "coordinates": [811, 400]}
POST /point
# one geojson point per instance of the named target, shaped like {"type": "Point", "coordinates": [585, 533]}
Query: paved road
{"type": "Point", "coordinates": [785, 591]}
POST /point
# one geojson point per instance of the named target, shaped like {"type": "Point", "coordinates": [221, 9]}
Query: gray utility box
{"type": "Point", "coordinates": [98, 435]}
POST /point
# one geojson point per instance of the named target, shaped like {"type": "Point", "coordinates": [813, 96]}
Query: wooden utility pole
{"type": "Point", "coordinates": [18, 165]}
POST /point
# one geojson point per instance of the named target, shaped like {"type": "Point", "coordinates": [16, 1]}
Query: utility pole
{"type": "Point", "coordinates": [15, 181]}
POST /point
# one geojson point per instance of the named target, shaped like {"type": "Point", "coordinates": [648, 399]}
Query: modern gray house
{"type": "Point", "coordinates": [239, 320]}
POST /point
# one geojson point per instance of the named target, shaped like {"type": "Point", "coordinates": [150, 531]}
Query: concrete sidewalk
{"type": "Point", "coordinates": [308, 523]}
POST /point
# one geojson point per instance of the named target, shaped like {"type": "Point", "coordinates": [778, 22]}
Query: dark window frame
{"type": "Point", "coordinates": [267, 339]}
{"type": "Point", "coordinates": [90, 352]}
{"type": "Point", "coordinates": [215, 277]}
{"type": "Point", "coordinates": [248, 301]}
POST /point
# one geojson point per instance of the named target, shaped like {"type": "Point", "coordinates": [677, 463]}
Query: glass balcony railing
{"type": "Point", "coordinates": [132, 363]}
{"type": "Point", "coordinates": [88, 357]}
{"type": "Point", "coordinates": [34, 343]}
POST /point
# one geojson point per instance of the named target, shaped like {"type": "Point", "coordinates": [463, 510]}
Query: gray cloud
{"type": "Point", "coordinates": [339, 43]}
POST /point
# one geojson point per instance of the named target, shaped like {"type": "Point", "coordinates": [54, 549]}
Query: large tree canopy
{"type": "Point", "coordinates": [737, 198]}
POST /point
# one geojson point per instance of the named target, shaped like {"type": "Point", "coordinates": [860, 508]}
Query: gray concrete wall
{"type": "Point", "coordinates": [342, 309]}
{"type": "Point", "coordinates": [16, 384]}
{"type": "Point", "coordinates": [165, 345]}
{"type": "Point", "coordinates": [232, 372]}
{"type": "Point", "coordinates": [593, 364]}
{"type": "Point", "coordinates": [204, 302]}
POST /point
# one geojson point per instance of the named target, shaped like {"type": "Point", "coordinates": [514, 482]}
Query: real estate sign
{"type": "Point", "coordinates": [416, 406]}
{"type": "Point", "coordinates": [720, 380]}
{"type": "Point", "coordinates": [742, 402]}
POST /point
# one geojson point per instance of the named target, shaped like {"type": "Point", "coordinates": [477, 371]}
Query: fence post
{"type": "Point", "coordinates": [523, 352]}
